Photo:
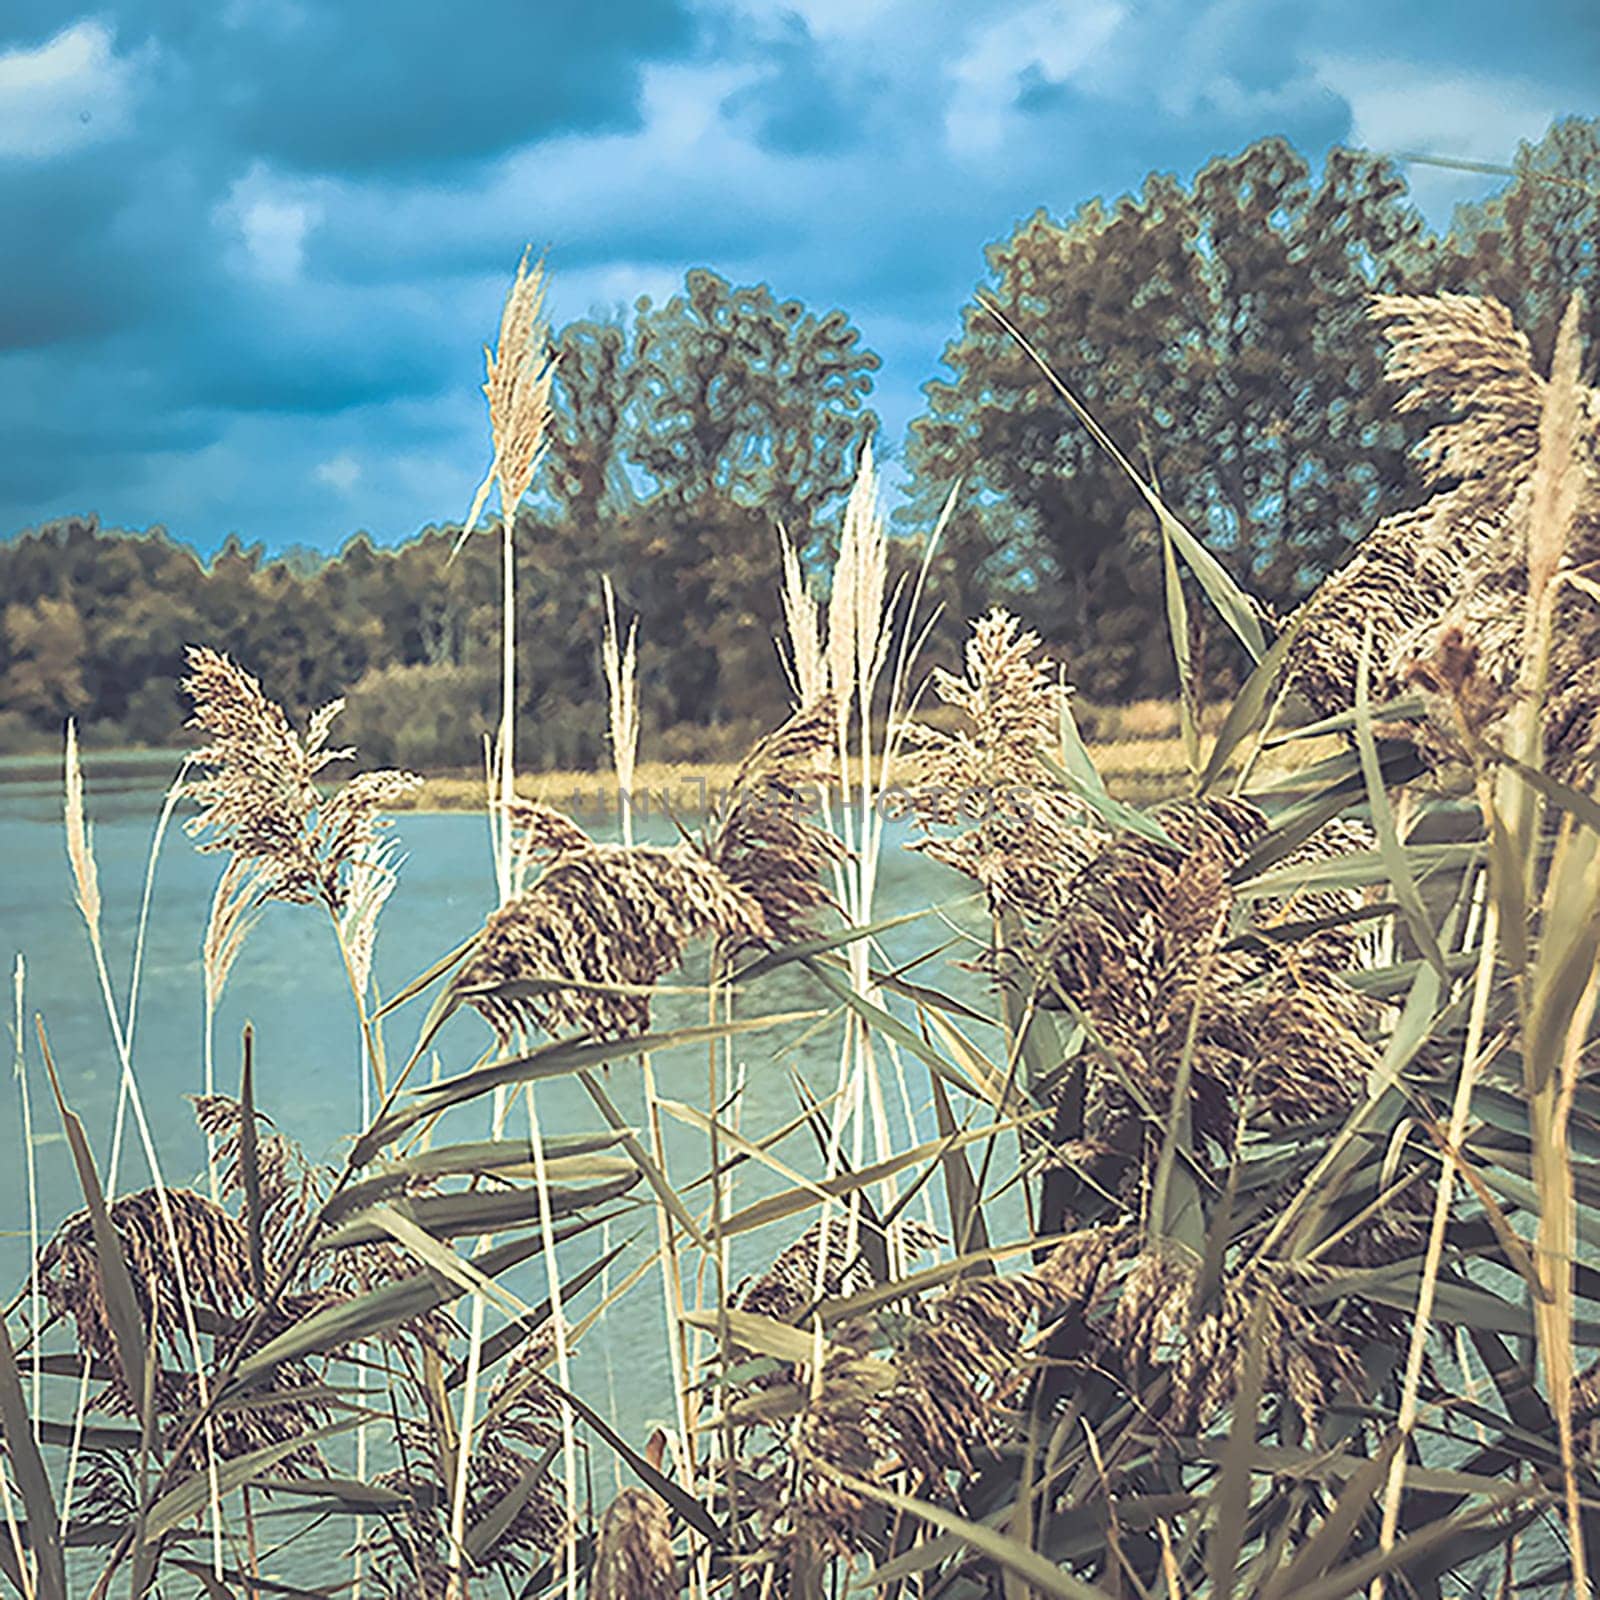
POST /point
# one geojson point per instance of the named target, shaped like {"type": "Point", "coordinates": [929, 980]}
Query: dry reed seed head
{"type": "Point", "coordinates": [240, 891]}
{"type": "Point", "coordinates": [1021, 836]}
{"type": "Point", "coordinates": [790, 1285]}
{"type": "Point", "coordinates": [1145, 945]}
{"type": "Point", "coordinates": [1011, 701]}
{"type": "Point", "coordinates": [858, 639]}
{"type": "Point", "coordinates": [766, 838]}
{"type": "Point", "coordinates": [1403, 577]}
{"type": "Point", "coordinates": [1152, 1309]}
{"type": "Point", "coordinates": [1515, 454]}
{"type": "Point", "coordinates": [1558, 467]}
{"type": "Point", "coordinates": [956, 1363]}
{"type": "Point", "coordinates": [106, 1488]}
{"type": "Point", "coordinates": [1307, 1356]}
{"type": "Point", "coordinates": [806, 659]}
{"type": "Point", "coordinates": [520, 372]}
{"type": "Point", "coordinates": [1451, 675]}
{"type": "Point", "coordinates": [1155, 1323]}
{"type": "Point", "coordinates": [258, 797]}
{"type": "Point", "coordinates": [633, 1557]}
{"type": "Point", "coordinates": [539, 833]}
{"type": "Point", "coordinates": [523, 1406]}
{"type": "Point", "coordinates": [410, 1550]}
{"type": "Point", "coordinates": [609, 915]}
{"type": "Point", "coordinates": [80, 842]}
{"type": "Point", "coordinates": [1076, 1272]}
{"type": "Point", "coordinates": [621, 663]}
{"type": "Point", "coordinates": [1462, 355]}
{"type": "Point", "coordinates": [215, 1251]}
{"type": "Point", "coordinates": [843, 1425]}
{"type": "Point", "coordinates": [373, 871]}
{"type": "Point", "coordinates": [604, 915]}
{"type": "Point", "coordinates": [291, 1187]}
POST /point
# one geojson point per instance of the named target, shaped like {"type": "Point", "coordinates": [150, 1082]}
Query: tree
{"type": "Point", "coordinates": [1538, 239]}
{"type": "Point", "coordinates": [721, 394]}
{"type": "Point", "coordinates": [44, 643]}
{"type": "Point", "coordinates": [596, 380]}
{"type": "Point", "coordinates": [1218, 333]}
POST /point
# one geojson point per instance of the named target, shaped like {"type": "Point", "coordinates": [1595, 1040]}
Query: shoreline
{"type": "Point", "coordinates": [1136, 770]}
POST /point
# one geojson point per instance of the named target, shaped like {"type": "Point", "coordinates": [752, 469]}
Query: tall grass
{"type": "Point", "coordinates": [1160, 1270]}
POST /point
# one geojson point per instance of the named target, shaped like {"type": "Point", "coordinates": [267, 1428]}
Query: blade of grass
{"type": "Point", "coordinates": [33, 1483]}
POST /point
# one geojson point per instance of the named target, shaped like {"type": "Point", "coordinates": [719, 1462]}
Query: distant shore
{"type": "Point", "coordinates": [1136, 769]}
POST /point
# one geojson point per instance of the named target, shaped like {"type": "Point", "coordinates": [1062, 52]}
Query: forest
{"type": "Point", "coordinates": [1218, 329]}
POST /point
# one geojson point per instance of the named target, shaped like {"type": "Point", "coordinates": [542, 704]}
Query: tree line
{"type": "Point", "coordinates": [1217, 329]}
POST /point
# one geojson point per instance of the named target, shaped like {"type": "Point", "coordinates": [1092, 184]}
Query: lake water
{"type": "Point", "coordinates": [289, 983]}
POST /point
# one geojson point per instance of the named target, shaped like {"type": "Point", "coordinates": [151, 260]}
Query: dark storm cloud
{"type": "Point", "coordinates": [371, 86]}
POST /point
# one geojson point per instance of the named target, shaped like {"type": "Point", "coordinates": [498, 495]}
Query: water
{"type": "Point", "coordinates": [290, 985]}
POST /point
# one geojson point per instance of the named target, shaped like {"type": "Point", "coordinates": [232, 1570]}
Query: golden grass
{"type": "Point", "coordinates": [1135, 770]}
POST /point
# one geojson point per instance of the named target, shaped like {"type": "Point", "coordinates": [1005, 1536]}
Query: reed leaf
{"type": "Point", "coordinates": [33, 1483]}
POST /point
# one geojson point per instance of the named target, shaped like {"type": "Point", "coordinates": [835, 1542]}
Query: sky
{"type": "Point", "coordinates": [251, 250]}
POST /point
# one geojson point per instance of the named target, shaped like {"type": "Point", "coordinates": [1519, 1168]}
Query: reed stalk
{"type": "Point", "coordinates": [86, 881]}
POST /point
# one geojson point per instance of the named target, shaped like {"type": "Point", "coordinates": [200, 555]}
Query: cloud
{"type": "Point", "coordinates": [368, 86]}
{"type": "Point", "coordinates": [74, 90]}
{"type": "Point", "coordinates": [1402, 107]}
{"type": "Point", "coordinates": [846, 19]}
{"type": "Point", "coordinates": [1050, 43]}
{"type": "Point", "coordinates": [268, 223]}
{"type": "Point", "coordinates": [342, 473]}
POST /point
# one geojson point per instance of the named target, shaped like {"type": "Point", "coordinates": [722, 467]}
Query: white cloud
{"type": "Point", "coordinates": [1397, 107]}
{"type": "Point", "coordinates": [342, 473]}
{"type": "Point", "coordinates": [1055, 41]}
{"type": "Point", "coordinates": [72, 91]}
{"type": "Point", "coordinates": [270, 221]}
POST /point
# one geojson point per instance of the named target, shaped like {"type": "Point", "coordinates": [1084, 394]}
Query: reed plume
{"type": "Point", "coordinates": [1019, 833]}
{"type": "Point", "coordinates": [609, 920]}
{"type": "Point", "coordinates": [290, 1188]}
{"type": "Point", "coordinates": [805, 659]}
{"type": "Point", "coordinates": [411, 1552]}
{"type": "Point", "coordinates": [520, 373]}
{"type": "Point", "coordinates": [796, 1277]}
{"type": "Point", "coordinates": [373, 870]}
{"type": "Point", "coordinates": [633, 1557]}
{"type": "Point", "coordinates": [621, 663]}
{"type": "Point", "coordinates": [212, 1243]}
{"type": "Point", "coordinates": [857, 639]}
{"type": "Point", "coordinates": [80, 845]}
{"type": "Point", "coordinates": [234, 913]}
{"type": "Point", "coordinates": [766, 838]}
{"type": "Point", "coordinates": [1157, 1323]}
{"type": "Point", "coordinates": [259, 798]}
{"type": "Point", "coordinates": [1147, 947]}
{"type": "Point", "coordinates": [1454, 572]}
{"type": "Point", "coordinates": [579, 949]}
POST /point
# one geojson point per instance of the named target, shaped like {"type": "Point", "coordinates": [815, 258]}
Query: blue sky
{"type": "Point", "coordinates": [251, 249]}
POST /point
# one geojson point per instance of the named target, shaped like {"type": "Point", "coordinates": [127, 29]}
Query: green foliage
{"type": "Point", "coordinates": [1218, 333]}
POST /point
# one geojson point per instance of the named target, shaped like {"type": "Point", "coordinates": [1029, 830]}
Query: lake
{"type": "Point", "coordinates": [290, 985]}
